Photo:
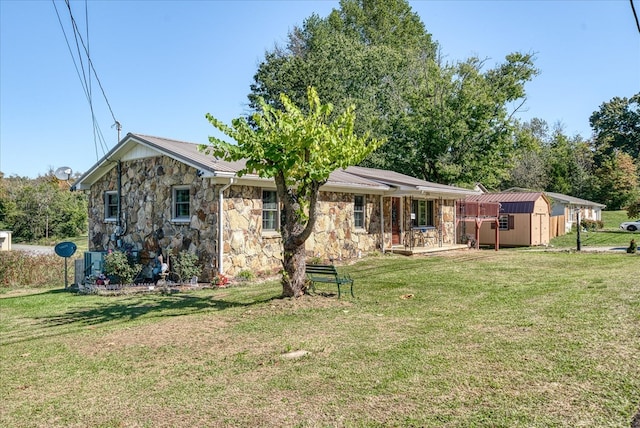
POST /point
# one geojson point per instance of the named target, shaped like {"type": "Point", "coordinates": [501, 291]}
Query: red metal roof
{"type": "Point", "coordinates": [506, 197]}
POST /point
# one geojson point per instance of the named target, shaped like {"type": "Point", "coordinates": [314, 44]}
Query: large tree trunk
{"type": "Point", "coordinates": [295, 230]}
{"type": "Point", "coordinates": [293, 277]}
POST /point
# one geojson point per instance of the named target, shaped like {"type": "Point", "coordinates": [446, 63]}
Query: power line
{"type": "Point", "coordinates": [85, 76]}
{"type": "Point", "coordinates": [635, 15]}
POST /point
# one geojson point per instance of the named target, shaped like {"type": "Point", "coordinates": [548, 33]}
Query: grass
{"type": "Point", "coordinates": [458, 340]}
{"type": "Point", "coordinates": [610, 236]}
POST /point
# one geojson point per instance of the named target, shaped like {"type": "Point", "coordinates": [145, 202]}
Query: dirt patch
{"type": "Point", "coordinates": [635, 422]}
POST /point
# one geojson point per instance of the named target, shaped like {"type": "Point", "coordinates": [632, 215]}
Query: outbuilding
{"type": "Point", "coordinates": [523, 219]}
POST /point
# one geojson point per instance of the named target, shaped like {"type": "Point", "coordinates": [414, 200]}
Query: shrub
{"type": "Point", "coordinates": [186, 265]}
{"type": "Point", "coordinates": [118, 264]}
{"type": "Point", "coordinates": [245, 275]}
{"type": "Point", "coordinates": [591, 225]}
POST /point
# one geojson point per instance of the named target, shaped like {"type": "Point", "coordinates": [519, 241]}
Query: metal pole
{"type": "Point", "coordinates": [578, 225]}
{"type": "Point", "coordinates": [66, 283]}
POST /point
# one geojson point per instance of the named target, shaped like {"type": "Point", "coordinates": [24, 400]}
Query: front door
{"type": "Point", "coordinates": [395, 221]}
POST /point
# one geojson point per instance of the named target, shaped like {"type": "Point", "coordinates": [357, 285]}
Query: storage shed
{"type": "Point", "coordinates": [523, 218]}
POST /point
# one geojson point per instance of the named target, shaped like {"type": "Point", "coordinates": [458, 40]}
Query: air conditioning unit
{"type": "Point", "coordinates": [93, 262]}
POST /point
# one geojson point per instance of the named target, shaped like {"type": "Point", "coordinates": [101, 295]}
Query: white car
{"type": "Point", "coordinates": [631, 226]}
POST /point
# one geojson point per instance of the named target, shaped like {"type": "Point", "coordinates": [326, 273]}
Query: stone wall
{"type": "Point", "coordinates": [147, 212]}
{"type": "Point", "coordinates": [147, 186]}
{"type": "Point", "coordinates": [247, 246]}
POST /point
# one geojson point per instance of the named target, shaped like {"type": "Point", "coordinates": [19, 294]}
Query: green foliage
{"type": "Point", "coordinates": [299, 150]}
{"type": "Point", "coordinates": [118, 264]}
{"type": "Point", "coordinates": [591, 225]}
{"type": "Point", "coordinates": [41, 208]}
{"type": "Point", "coordinates": [245, 275]}
{"type": "Point", "coordinates": [186, 265]}
{"type": "Point", "coordinates": [617, 181]}
{"type": "Point", "coordinates": [616, 127]}
{"type": "Point", "coordinates": [633, 210]}
{"type": "Point", "coordinates": [444, 123]}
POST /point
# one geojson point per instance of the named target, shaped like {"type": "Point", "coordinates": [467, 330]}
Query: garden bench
{"type": "Point", "coordinates": [327, 274]}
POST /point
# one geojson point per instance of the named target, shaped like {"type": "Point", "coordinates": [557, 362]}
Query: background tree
{"type": "Point", "coordinates": [529, 168]}
{"type": "Point", "coordinates": [436, 118]}
{"type": "Point", "coordinates": [616, 181]}
{"type": "Point", "coordinates": [299, 150]}
{"type": "Point", "coordinates": [616, 127]}
{"type": "Point", "coordinates": [459, 123]}
{"type": "Point", "coordinates": [41, 208]}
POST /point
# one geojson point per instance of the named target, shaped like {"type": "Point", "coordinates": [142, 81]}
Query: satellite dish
{"type": "Point", "coordinates": [63, 173]}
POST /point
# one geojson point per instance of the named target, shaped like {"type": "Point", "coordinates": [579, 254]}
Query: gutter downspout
{"type": "Point", "coordinates": [119, 222]}
{"type": "Point", "coordinates": [220, 228]}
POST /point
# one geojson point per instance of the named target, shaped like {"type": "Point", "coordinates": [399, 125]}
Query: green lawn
{"type": "Point", "coordinates": [609, 236]}
{"type": "Point", "coordinates": [465, 339]}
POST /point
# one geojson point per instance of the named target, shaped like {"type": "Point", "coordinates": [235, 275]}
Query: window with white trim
{"type": "Point", "coordinates": [358, 211]}
{"type": "Point", "coordinates": [181, 203]}
{"type": "Point", "coordinates": [270, 210]}
{"type": "Point", "coordinates": [422, 213]}
{"type": "Point", "coordinates": [111, 206]}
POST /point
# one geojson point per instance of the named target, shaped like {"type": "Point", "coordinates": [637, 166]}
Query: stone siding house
{"type": "Point", "coordinates": [150, 194]}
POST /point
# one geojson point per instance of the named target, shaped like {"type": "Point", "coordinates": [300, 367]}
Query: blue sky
{"type": "Point", "coordinates": [164, 64]}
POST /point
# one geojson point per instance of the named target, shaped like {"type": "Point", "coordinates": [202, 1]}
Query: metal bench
{"type": "Point", "coordinates": [327, 274]}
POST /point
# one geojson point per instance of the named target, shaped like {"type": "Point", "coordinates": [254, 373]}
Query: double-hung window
{"type": "Point", "coordinates": [358, 211]}
{"type": "Point", "coordinates": [269, 210]}
{"type": "Point", "coordinates": [111, 206]}
{"type": "Point", "coordinates": [422, 213]}
{"type": "Point", "coordinates": [181, 203]}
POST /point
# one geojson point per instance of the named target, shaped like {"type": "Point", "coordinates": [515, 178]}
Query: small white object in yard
{"type": "Point", "coordinates": [295, 354]}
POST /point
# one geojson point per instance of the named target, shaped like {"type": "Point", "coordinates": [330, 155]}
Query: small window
{"type": "Point", "coordinates": [111, 206]}
{"type": "Point", "coordinates": [269, 210]}
{"type": "Point", "coordinates": [422, 213]}
{"type": "Point", "coordinates": [181, 203]}
{"type": "Point", "coordinates": [358, 212]}
{"type": "Point", "coordinates": [506, 222]}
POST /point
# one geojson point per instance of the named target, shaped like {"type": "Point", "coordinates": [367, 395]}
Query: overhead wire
{"type": "Point", "coordinates": [85, 76]}
{"type": "Point", "coordinates": [98, 137]}
{"type": "Point", "coordinates": [635, 15]}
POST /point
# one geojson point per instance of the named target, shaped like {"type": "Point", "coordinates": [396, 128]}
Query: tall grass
{"type": "Point", "coordinates": [22, 269]}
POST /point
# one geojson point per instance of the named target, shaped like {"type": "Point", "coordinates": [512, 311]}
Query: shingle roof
{"type": "Point", "coordinates": [189, 153]}
{"type": "Point", "coordinates": [573, 200]}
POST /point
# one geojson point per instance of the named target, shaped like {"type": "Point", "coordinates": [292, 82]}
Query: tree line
{"type": "Point", "coordinates": [41, 209]}
{"type": "Point", "coordinates": [451, 123]}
